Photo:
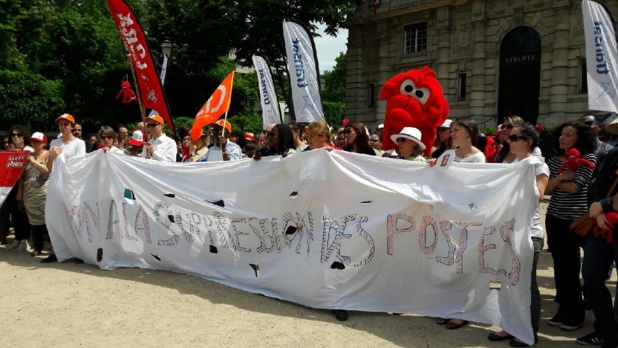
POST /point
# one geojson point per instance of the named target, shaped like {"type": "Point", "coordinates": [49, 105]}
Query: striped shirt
{"type": "Point", "coordinates": [570, 206]}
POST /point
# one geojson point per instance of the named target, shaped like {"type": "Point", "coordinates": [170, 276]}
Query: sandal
{"type": "Point", "coordinates": [453, 326]}
{"type": "Point", "coordinates": [442, 321]}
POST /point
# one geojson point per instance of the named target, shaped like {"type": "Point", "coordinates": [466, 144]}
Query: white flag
{"type": "Point", "coordinates": [268, 97]}
{"type": "Point", "coordinates": [304, 74]}
{"type": "Point", "coordinates": [600, 57]}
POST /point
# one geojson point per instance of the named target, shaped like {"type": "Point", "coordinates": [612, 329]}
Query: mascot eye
{"type": "Point", "coordinates": [421, 94]}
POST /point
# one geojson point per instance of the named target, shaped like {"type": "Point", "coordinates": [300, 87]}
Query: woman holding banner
{"type": "Point", "coordinates": [318, 136]}
{"type": "Point", "coordinates": [522, 141]}
{"type": "Point", "coordinates": [569, 190]}
{"type": "Point", "coordinates": [280, 141]}
{"type": "Point", "coordinates": [464, 134]}
{"type": "Point", "coordinates": [356, 139]}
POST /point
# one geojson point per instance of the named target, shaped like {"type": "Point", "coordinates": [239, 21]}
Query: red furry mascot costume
{"type": "Point", "coordinates": [573, 161]}
{"type": "Point", "coordinates": [415, 99]}
{"type": "Point", "coordinates": [127, 93]}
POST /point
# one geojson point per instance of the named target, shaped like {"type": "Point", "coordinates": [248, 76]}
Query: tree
{"type": "Point", "coordinates": [260, 22]}
{"type": "Point", "coordinates": [333, 91]}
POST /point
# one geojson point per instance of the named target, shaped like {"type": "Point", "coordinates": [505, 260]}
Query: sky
{"type": "Point", "coordinates": [328, 47]}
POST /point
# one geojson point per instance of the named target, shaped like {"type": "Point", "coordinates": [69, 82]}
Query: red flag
{"type": "Point", "coordinates": [12, 163]}
{"type": "Point", "coordinates": [151, 91]}
{"type": "Point", "coordinates": [217, 105]}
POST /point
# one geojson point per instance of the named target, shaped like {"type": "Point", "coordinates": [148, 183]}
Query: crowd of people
{"type": "Point", "coordinates": [575, 190]}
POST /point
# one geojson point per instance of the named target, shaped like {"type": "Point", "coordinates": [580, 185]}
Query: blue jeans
{"type": "Point", "coordinates": [598, 256]}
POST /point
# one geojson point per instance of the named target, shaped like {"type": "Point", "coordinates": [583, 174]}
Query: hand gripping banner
{"type": "Point", "coordinates": [304, 73]}
{"type": "Point", "coordinates": [148, 82]}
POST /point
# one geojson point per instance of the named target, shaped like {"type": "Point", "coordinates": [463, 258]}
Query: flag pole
{"type": "Point", "coordinates": [139, 99]}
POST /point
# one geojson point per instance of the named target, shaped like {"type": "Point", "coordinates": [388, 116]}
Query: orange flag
{"type": "Point", "coordinates": [217, 105]}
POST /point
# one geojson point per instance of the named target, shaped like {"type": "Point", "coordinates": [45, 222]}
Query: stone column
{"type": "Point", "coordinates": [354, 73]}
{"type": "Point", "coordinates": [558, 91]}
{"type": "Point", "coordinates": [479, 37]}
{"type": "Point", "coordinates": [444, 48]}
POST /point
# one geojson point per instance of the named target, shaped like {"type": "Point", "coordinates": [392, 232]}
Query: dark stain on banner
{"type": "Point", "coordinates": [337, 265]}
{"type": "Point", "coordinates": [256, 268]}
{"type": "Point", "coordinates": [170, 195]}
{"type": "Point", "coordinates": [213, 249]}
{"type": "Point", "coordinates": [99, 254]}
{"type": "Point", "coordinates": [156, 257]}
{"type": "Point", "coordinates": [219, 203]}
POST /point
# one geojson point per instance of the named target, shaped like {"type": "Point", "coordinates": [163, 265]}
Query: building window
{"type": "Point", "coordinates": [371, 95]}
{"type": "Point", "coordinates": [583, 77]}
{"type": "Point", "coordinates": [415, 38]}
{"type": "Point", "coordinates": [461, 86]}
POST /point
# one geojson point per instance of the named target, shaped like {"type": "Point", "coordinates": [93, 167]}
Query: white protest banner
{"type": "Point", "coordinates": [304, 73]}
{"type": "Point", "coordinates": [601, 54]}
{"type": "Point", "coordinates": [323, 229]}
{"type": "Point", "coordinates": [268, 96]}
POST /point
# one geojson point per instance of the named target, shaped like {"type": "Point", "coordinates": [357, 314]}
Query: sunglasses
{"type": "Point", "coordinates": [150, 125]}
{"type": "Point", "coordinates": [508, 126]}
{"type": "Point", "coordinates": [373, 140]}
{"type": "Point", "coordinates": [348, 131]}
{"type": "Point", "coordinates": [19, 135]}
{"type": "Point", "coordinates": [591, 122]}
{"type": "Point", "coordinates": [515, 137]}
{"type": "Point", "coordinates": [104, 137]}
{"type": "Point", "coordinates": [401, 140]}
{"type": "Point", "coordinates": [272, 135]}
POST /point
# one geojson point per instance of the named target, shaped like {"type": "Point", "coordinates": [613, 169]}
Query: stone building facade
{"type": "Point", "coordinates": [493, 58]}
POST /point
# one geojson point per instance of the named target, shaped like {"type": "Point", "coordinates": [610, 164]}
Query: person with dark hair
{"type": "Point", "coordinates": [222, 150]}
{"type": "Point", "coordinates": [505, 155]}
{"type": "Point", "coordinates": [568, 191]}
{"type": "Point", "coordinates": [595, 127]}
{"type": "Point", "coordinates": [599, 253]}
{"type": "Point", "coordinates": [77, 132]}
{"type": "Point", "coordinates": [238, 137]}
{"type": "Point", "coordinates": [250, 149]}
{"type": "Point", "coordinates": [444, 139]}
{"type": "Point", "coordinates": [20, 137]}
{"type": "Point", "coordinates": [107, 136]}
{"type": "Point", "coordinates": [357, 139]}
{"type": "Point", "coordinates": [297, 131]}
{"type": "Point", "coordinates": [522, 142]}
{"type": "Point", "coordinates": [123, 137]}
{"type": "Point", "coordinates": [5, 216]}
{"type": "Point", "coordinates": [375, 141]}
{"type": "Point", "coordinates": [280, 142]}
{"type": "Point", "coordinates": [465, 136]}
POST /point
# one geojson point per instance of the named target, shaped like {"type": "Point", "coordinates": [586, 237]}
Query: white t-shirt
{"type": "Point", "coordinates": [478, 157]}
{"type": "Point", "coordinates": [75, 148]}
{"type": "Point", "coordinates": [540, 167]}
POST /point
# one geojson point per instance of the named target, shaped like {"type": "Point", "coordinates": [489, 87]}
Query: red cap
{"type": "Point", "coordinates": [38, 137]}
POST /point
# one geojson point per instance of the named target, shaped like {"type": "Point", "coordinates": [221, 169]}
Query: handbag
{"type": "Point", "coordinates": [584, 224]}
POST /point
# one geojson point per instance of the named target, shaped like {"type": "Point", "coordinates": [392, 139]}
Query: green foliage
{"type": "Point", "coordinates": [333, 113]}
{"type": "Point", "coordinates": [334, 81]}
{"type": "Point", "coordinates": [28, 99]}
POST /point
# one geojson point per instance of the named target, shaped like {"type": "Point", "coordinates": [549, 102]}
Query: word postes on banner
{"type": "Point", "coordinates": [297, 231]}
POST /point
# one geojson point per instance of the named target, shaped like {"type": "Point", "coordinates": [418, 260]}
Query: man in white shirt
{"type": "Point", "coordinates": [223, 150]}
{"type": "Point", "coordinates": [160, 147]}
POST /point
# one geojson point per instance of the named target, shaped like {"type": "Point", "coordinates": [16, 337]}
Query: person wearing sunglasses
{"type": "Point", "coordinates": [505, 155]}
{"type": "Point", "coordinates": [409, 142]}
{"type": "Point", "coordinates": [595, 127]}
{"type": "Point", "coordinates": [357, 139]}
{"type": "Point", "coordinates": [280, 142]}
{"type": "Point", "coordinates": [569, 201]}
{"type": "Point", "coordinates": [523, 140]}
{"type": "Point", "coordinates": [107, 136]}
{"type": "Point", "coordinates": [20, 136]}
{"type": "Point", "coordinates": [160, 147]}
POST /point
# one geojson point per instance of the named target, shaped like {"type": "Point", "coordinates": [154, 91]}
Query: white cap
{"type": "Point", "coordinates": [137, 139]}
{"type": "Point", "coordinates": [38, 137]}
{"type": "Point", "coordinates": [446, 124]}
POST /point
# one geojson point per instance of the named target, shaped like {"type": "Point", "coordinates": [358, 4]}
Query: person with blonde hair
{"type": "Point", "coordinates": [318, 136]}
